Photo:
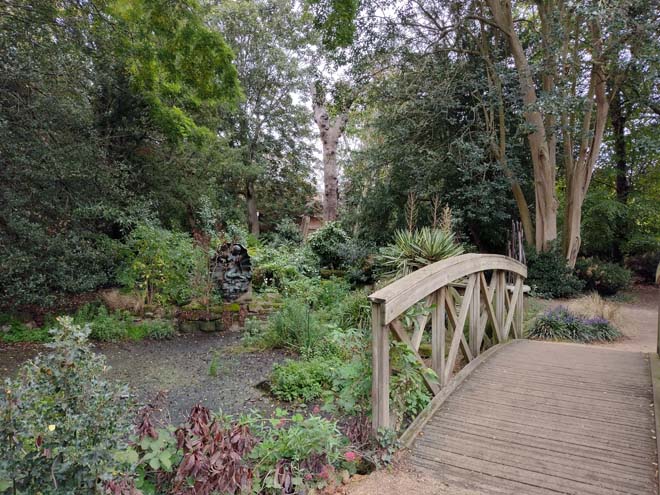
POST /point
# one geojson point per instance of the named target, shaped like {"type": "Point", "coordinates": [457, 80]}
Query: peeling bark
{"type": "Point", "coordinates": [330, 131]}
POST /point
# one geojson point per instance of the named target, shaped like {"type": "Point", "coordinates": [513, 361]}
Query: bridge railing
{"type": "Point", "coordinates": [462, 296]}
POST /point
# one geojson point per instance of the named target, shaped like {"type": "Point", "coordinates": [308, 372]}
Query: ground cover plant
{"type": "Point", "coordinates": [561, 324]}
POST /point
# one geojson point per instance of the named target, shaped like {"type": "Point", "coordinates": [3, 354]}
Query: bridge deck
{"type": "Point", "coordinates": [545, 418]}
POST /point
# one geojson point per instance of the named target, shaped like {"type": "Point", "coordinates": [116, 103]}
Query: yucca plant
{"type": "Point", "coordinates": [413, 250]}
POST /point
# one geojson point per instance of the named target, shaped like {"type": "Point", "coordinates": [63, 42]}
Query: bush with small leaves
{"type": "Point", "coordinates": [303, 380]}
{"type": "Point", "coordinates": [549, 276]}
{"type": "Point", "coordinates": [605, 278]}
{"type": "Point", "coordinates": [329, 244]}
{"type": "Point", "coordinates": [60, 421]}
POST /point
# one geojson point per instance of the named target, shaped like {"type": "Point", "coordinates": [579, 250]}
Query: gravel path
{"type": "Point", "coordinates": [181, 367]}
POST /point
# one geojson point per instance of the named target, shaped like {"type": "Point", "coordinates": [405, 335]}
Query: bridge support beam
{"type": "Point", "coordinates": [380, 381]}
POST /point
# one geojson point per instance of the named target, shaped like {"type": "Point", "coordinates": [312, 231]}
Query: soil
{"type": "Point", "coordinates": [181, 367]}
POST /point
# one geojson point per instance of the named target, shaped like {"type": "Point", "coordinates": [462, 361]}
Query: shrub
{"type": "Point", "coordinates": [549, 276]}
{"type": "Point", "coordinates": [286, 233]}
{"type": "Point", "coordinates": [605, 278]}
{"type": "Point", "coordinates": [60, 421]}
{"type": "Point", "coordinates": [644, 265]}
{"type": "Point", "coordinates": [294, 327]}
{"type": "Point", "coordinates": [276, 267]}
{"type": "Point", "coordinates": [119, 325]}
{"type": "Point", "coordinates": [303, 380]}
{"type": "Point", "coordinates": [13, 330]}
{"type": "Point", "coordinates": [160, 263]}
{"type": "Point", "coordinates": [329, 244]}
{"type": "Point", "coordinates": [560, 324]}
{"type": "Point", "coordinates": [413, 250]}
{"type": "Point", "coordinates": [295, 453]}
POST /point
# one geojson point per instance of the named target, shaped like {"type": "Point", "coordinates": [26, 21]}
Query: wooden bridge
{"type": "Point", "coordinates": [510, 416]}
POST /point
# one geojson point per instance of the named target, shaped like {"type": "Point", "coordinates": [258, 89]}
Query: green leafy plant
{"type": "Point", "coordinates": [560, 324]}
{"type": "Point", "coordinates": [605, 278]}
{"type": "Point", "coordinates": [413, 250]}
{"type": "Point", "coordinates": [276, 267]}
{"type": "Point", "coordinates": [294, 327]}
{"type": "Point", "coordinates": [329, 244]}
{"type": "Point", "coordinates": [295, 452]}
{"type": "Point", "coordinates": [160, 263]}
{"type": "Point", "coordinates": [303, 380]}
{"type": "Point", "coordinates": [60, 421]}
{"type": "Point", "coordinates": [549, 276]}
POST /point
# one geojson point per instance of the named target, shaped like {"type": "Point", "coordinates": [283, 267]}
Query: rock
{"type": "Point", "coordinates": [345, 476]}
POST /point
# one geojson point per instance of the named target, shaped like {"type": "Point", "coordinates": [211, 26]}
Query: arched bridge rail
{"type": "Point", "coordinates": [472, 302]}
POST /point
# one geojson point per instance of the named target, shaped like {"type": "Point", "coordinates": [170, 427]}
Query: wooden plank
{"type": "Point", "coordinates": [492, 315]}
{"type": "Point", "coordinates": [422, 320]}
{"type": "Point", "coordinates": [380, 381]}
{"type": "Point", "coordinates": [519, 313]}
{"type": "Point", "coordinates": [401, 335]}
{"type": "Point", "coordinates": [654, 362]}
{"type": "Point", "coordinates": [403, 293]}
{"type": "Point", "coordinates": [475, 316]}
{"type": "Point", "coordinates": [439, 336]}
{"type": "Point", "coordinates": [525, 418]}
{"type": "Point", "coordinates": [512, 308]}
{"type": "Point", "coordinates": [420, 421]}
{"type": "Point", "coordinates": [500, 298]}
{"type": "Point", "coordinates": [458, 324]}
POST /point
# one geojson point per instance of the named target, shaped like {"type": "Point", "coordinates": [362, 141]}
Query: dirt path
{"type": "Point", "coordinates": [182, 367]}
{"type": "Point", "coordinates": [636, 318]}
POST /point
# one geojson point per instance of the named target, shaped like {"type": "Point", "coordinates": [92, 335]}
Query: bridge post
{"type": "Point", "coordinates": [380, 380]}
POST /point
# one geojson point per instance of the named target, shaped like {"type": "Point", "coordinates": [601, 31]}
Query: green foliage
{"type": "Point", "coordinates": [605, 278]}
{"type": "Point", "coordinates": [295, 326]}
{"type": "Point", "coordinates": [160, 263]}
{"type": "Point", "coordinates": [336, 21]}
{"type": "Point", "coordinates": [293, 449]}
{"type": "Point", "coordinates": [61, 422]}
{"type": "Point", "coordinates": [416, 249]}
{"type": "Point", "coordinates": [644, 265]}
{"type": "Point", "coordinates": [408, 392]}
{"type": "Point", "coordinates": [286, 233]}
{"type": "Point", "coordinates": [329, 243]}
{"type": "Point", "coordinates": [561, 324]}
{"type": "Point", "coordinates": [275, 267]}
{"type": "Point", "coordinates": [13, 330]}
{"type": "Point", "coordinates": [303, 380]}
{"type": "Point", "coordinates": [112, 327]}
{"type": "Point", "coordinates": [549, 276]}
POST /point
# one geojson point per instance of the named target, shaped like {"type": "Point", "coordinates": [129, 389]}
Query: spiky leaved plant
{"type": "Point", "coordinates": [413, 250]}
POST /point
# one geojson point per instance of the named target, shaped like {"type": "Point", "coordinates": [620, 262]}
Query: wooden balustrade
{"type": "Point", "coordinates": [438, 287]}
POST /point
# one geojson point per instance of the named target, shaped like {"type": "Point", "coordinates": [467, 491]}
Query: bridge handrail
{"type": "Point", "coordinates": [482, 302]}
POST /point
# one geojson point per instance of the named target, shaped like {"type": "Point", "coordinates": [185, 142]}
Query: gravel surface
{"type": "Point", "coordinates": [181, 367]}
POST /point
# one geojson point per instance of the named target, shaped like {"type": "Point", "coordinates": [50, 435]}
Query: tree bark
{"type": "Point", "coordinates": [618, 118]}
{"type": "Point", "coordinates": [543, 159]}
{"type": "Point", "coordinates": [578, 173]}
{"type": "Point", "coordinates": [330, 132]}
{"type": "Point", "coordinates": [253, 214]}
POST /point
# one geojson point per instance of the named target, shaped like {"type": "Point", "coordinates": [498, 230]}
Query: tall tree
{"type": "Point", "coordinates": [269, 41]}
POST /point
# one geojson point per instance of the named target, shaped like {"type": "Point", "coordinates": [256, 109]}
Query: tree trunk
{"type": "Point", "coordinates": [543, 159]}
{"type": "Point", "coordinates": [253, 214]}
{"type": "Point", "coordinates": [330, 132]}
{"type": "Point", "coordinates": [618, 118]}
{"type": "Point", "coordinates": [579, 171]}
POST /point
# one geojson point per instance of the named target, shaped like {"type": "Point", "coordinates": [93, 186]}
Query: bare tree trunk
{"type": "Point", "coordinates": [330, 132]}
{"type": "Point", "coordinates": [578, 176]}
{"type": "Point", "coordinates": [618, 117]}
{"type": "Point", "coordinates": [253, 214]}
{"type": "Point", "coordinates": [543, 158]}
